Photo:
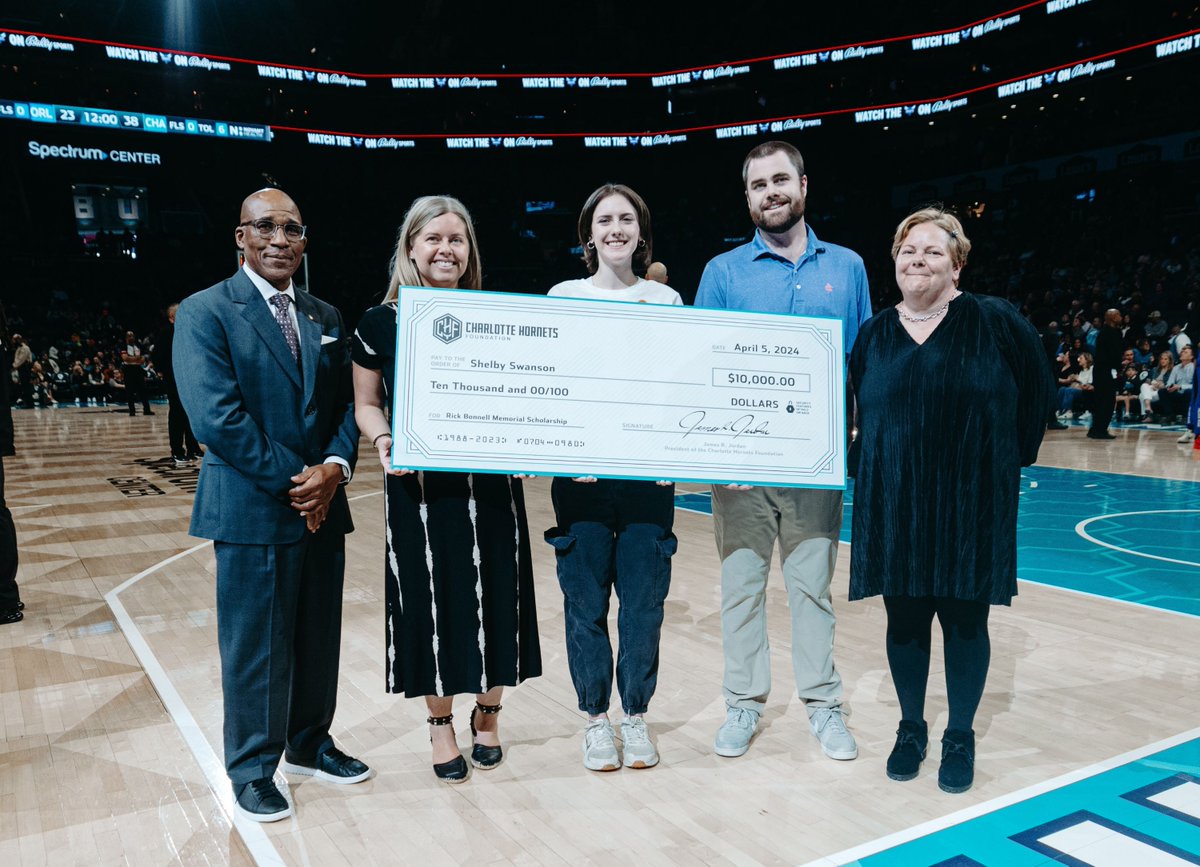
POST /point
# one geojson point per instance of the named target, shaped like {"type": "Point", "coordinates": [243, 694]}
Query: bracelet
{"type": "Point", "coordinates": [375, 442]}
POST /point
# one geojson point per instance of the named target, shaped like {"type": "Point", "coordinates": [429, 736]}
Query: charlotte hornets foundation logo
{"type": "Point", "coordinates": [447, 328]}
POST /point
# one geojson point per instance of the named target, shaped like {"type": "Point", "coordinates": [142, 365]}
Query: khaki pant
{"type": "Point", "coordinates": [806, 522]}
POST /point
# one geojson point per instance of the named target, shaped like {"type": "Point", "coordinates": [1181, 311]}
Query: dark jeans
{"type": "Point", "coordinates": [179, 429]}
{"type": "Point", "coordinates": [613, 534]}
{"type": "Point", "coordinates": [9, 596]}
{"type": "Point", "coordinates": [1173, 403]}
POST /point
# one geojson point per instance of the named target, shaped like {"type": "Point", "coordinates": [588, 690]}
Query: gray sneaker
{"type": "Point", "coordinates": [733, 737]}
{"type": "Point", "coordinates": [599, 751]}
{"type": "Point", "coordinates": [636, 744]}
{"type": "Point", "coordinates": [829, 727]}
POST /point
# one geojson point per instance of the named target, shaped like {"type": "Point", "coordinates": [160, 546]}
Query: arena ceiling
{"type": "Point", "coordinates": [473, 36]}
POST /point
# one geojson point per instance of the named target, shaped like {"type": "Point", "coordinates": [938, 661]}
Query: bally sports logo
{"type": "Point", "coordinates": [447, 328]}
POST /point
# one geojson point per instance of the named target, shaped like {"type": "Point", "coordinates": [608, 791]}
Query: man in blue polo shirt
{"type": "Point", "coordinates": [785, 268]}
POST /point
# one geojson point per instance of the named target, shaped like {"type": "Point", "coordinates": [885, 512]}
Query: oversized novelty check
{"type": "Point", "coordinates": [498, 382]}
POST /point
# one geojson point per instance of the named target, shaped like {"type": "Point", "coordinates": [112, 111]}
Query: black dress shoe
{"type": "Point", "coordinates": [261, 801]}
{"type": "Point", "coordinates": [331, 766]}
{"type": "Point", "coordinates": [1105, 435]}
{"type": "Point", "coordinates": [13, 615]}
{"type": "Point", "coordinates": [484, 757]}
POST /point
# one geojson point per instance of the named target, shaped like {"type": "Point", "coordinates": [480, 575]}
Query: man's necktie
{"type": "Point", "coordinates": [281, 302]}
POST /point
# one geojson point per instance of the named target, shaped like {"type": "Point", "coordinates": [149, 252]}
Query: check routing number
{"type": "Point", "coordinates": [507, 383]}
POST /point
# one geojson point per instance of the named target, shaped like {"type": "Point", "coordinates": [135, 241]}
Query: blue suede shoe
{"type": "Point", "coordinates": [734, 735]}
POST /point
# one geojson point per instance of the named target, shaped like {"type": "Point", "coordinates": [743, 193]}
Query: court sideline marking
{"type": "Point", "coordinates": [253, 834]}
{"type": "Point", "coordinates": [264, 853]}
{"type": "Point", "coordinates": [907, 835]}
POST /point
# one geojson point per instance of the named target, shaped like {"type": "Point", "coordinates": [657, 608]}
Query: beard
{"type": "Point", "coordinates": [779, 220]}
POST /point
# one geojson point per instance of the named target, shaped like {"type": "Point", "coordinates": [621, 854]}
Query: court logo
{"type": "Point", "coordinates": [447, 328]}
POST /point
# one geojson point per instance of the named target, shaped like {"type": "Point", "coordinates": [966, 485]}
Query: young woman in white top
{"type": "Point", "coordinates": [614, 533]}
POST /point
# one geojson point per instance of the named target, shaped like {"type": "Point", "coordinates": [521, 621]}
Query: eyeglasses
{"type": "Point", "coordinates": [266, 229]}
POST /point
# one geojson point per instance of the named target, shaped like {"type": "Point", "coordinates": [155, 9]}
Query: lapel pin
{"type": "Point", "coordinates": [311, 318]}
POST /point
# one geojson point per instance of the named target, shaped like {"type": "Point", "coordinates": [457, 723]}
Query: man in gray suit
{"type": "Point", "coordinates": [263, 370]}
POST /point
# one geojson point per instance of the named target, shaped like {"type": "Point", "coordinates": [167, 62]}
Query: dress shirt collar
{"type": "Point", "coordinates": [265, 288]}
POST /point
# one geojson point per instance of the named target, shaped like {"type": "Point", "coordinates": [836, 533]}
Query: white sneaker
{"type": "Point", "coordinates": [1186, 437]}
{"type": "Point", "coordinates": [636, 744]}
{"type": "Point", "coordinates": [599, 750]}
{"type": "Point", "coordinates": [829, 727]}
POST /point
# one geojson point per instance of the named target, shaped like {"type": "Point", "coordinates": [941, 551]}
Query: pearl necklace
{"type": "Point", "coordinates": [934, 315]}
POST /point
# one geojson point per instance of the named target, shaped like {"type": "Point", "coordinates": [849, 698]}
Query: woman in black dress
{"type": "Point", "coordinates": [459, 593]}
{"type": "Point", "coordinates": [953, 391]}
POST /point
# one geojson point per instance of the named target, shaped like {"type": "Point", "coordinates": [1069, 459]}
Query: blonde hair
{"type": "Point", "coordinates": [423, 211]}
{"type": "Point", "coordinates": [960, 244]}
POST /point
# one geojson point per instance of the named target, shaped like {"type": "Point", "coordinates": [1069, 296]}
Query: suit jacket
{"type": "Point", "coordinates": [262, 419]}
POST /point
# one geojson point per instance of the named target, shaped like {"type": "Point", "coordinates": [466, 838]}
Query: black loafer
{"type": "Point", "coordinates": [13, 615]}
{"type": "Point", "coordinates": [331, 766]}
{"type": "Point", "coordinates": [261, 801]}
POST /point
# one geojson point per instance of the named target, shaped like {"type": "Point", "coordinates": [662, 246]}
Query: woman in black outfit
{"type": "Point", "coordinates": [953, 391]}
{"type": "Point", "coordinates": [459, 581]}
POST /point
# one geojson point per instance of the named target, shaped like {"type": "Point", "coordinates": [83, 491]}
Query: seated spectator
{"type": "Point", "coordinates": [1129, 391]}
{"type": "Point", "coordinates": [1156, 382]}
{"type": "Point", "coordinates": [1075, 388]}
{"type": "Point", "coordinates": [1175, 396]}
{"type": "Point", "coordinates": [114, 385]}
{"type": "Point", "coordinates": [43, 394]}
{"type": "Point", "coordinates": [78, 379]}
{"type": "Point", "coordinates": [1193, 419]}
{"type": "Point", "coordinates": [85, 385]}
{"type": "Point", "coordinates": [1142, 354]}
